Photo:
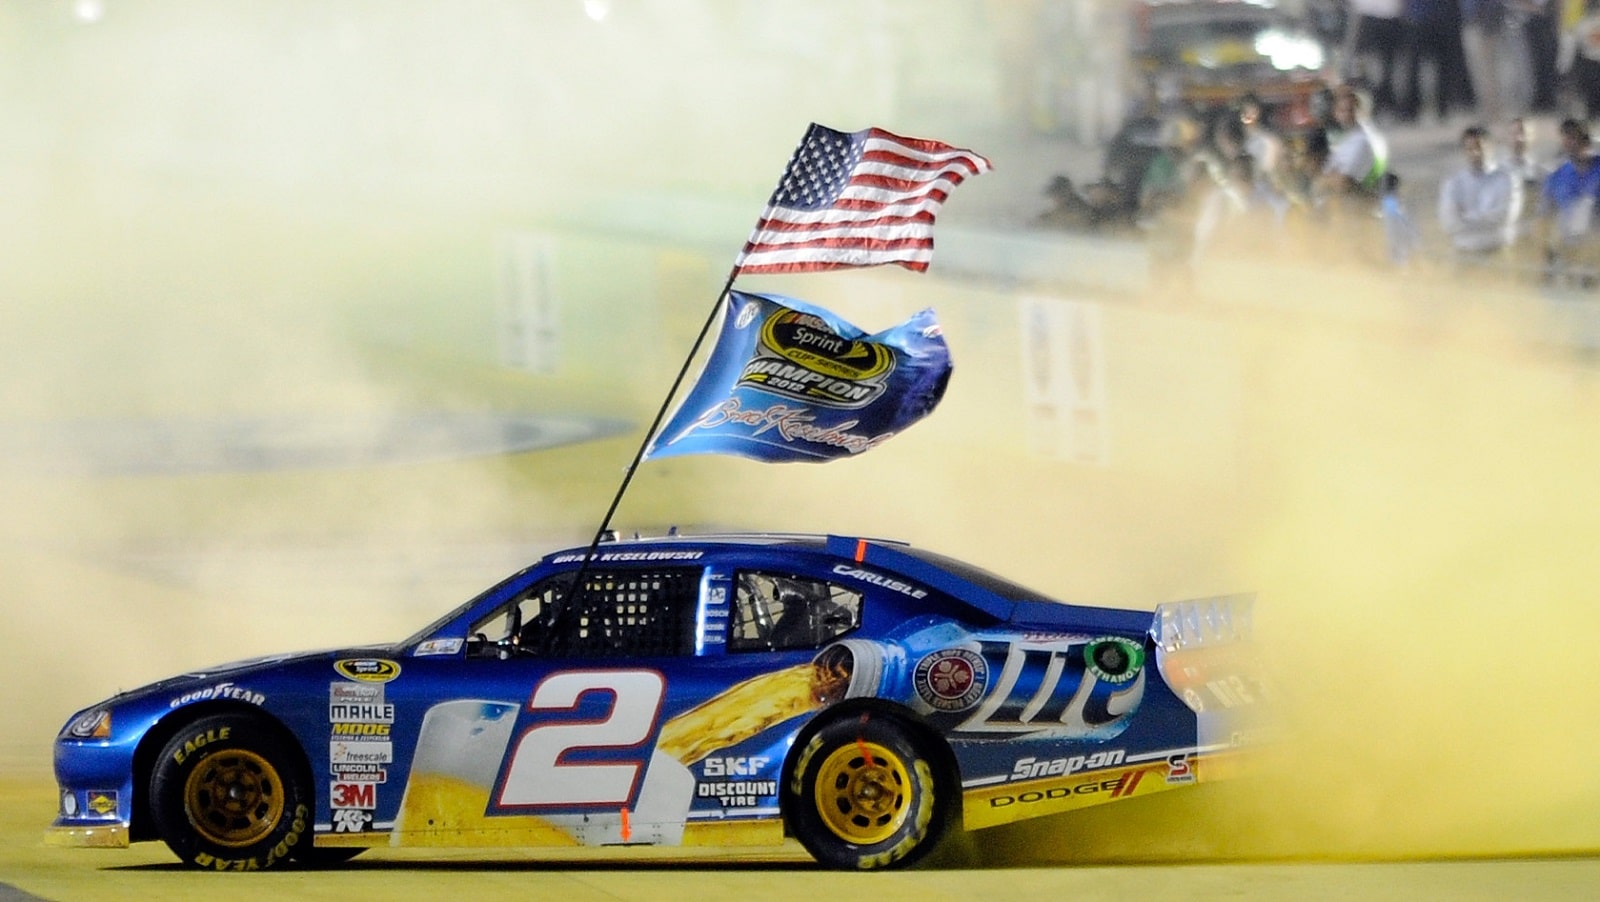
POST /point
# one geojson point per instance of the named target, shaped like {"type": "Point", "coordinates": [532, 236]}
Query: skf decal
{"type": "Point", "coordinates": [739, 766]}
{"type": "Point", "coordinates": [951, 679]}
{"type": "Point", "coordinates": [367, 670]}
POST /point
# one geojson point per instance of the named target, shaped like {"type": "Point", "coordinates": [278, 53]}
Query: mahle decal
{"type": "Point", "coordinates": [800, 357]}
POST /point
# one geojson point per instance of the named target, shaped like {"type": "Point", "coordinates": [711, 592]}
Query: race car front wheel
{"type": "Point", "coordinates": [228, 795]}
{"type": "Point", "coordinates": [864, 794]}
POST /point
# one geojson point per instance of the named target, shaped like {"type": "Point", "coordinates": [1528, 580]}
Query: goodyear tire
{"type": "Point", "coordinates": [862, 794]}
{"type": "Point", "coordinates": [229, 794]}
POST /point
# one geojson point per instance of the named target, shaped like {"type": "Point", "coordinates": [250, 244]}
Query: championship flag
{"type": "Point", "coordinates": [789, 381]}
{"type": "Point", "coordinates": [856, 199]}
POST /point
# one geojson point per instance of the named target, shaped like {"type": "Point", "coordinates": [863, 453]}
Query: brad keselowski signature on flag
{"type": "Point", "coordinates": [794, 424]}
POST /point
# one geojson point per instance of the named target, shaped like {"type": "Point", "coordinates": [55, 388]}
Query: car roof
{"type": "Point", "coordinates": [990, 593]}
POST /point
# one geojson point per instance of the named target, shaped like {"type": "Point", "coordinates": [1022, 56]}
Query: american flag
{"type": "Point", "coordinates": [856, 199]}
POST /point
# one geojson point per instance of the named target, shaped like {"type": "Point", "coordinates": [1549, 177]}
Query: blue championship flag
{"type": "Point", "coordinates": [789, 381]}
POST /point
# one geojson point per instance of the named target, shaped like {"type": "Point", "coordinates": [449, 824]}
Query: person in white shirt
{"type": "Point", "coordinates": [1359, 156]}
{"type": "Point", "coordinates": [1480, 203]}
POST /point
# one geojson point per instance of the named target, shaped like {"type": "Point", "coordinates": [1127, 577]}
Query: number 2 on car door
{"type": "Point", "coordinates": [540, 774]}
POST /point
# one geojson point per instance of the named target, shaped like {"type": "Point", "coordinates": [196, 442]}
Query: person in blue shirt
{"type": "Point", "coordinates": [1566, 209]}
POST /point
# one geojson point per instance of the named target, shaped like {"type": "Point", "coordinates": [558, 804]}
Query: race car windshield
{"type": "Point", "coordinates": [460, 609]}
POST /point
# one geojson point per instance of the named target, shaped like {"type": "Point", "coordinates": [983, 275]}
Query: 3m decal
{"type": "Point", "coordinates": [564, 762]}
{"type": "Point", "coordinates": [353, 795]}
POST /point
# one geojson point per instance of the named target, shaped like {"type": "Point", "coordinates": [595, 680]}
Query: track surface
{"type": "Point", "coordinates": [30, 870]}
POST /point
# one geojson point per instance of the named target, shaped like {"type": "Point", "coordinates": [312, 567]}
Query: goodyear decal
{"type": "Point", "coordinates": [367, 670]}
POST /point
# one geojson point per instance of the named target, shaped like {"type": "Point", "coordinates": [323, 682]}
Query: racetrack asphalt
{"type": "Point", "coordinates": [30, 870]}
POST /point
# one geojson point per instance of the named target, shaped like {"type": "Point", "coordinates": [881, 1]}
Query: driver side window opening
{"type": "Point", "coordinates": [773, 612]}
{"type": "Point", "coordinates": [620, 613]}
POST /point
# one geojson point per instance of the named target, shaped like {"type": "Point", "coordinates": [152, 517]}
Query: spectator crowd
{"type": "Point", "coordinates": [1199, 183]}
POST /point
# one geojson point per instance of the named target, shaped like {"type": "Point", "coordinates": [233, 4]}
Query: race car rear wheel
{"type": "Point", "coordinates": [228, 794]}
{"type": "Point", "coordinates": [864, 794]}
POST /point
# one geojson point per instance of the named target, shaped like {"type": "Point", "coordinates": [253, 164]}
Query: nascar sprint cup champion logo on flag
{"type": "Point", "coordinates": [789, 381]}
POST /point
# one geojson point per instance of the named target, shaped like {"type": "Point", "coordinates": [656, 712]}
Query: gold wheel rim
{"type": "Point", "coordinates": [863, 792]}
{"type": "Point", "coordinates": [234, 798]}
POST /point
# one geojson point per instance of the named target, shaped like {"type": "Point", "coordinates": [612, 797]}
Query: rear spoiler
{"type": "Point", "coordinates": [1202, 622]}
{"type": "Point", "coordinates": [1204, 654]}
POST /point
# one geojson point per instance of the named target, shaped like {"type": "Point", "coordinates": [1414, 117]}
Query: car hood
{"type": "Point", "coordinates": [220, 679]}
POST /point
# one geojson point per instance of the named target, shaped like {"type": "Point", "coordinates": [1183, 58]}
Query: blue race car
{"type": "Point", "coordinates": [858, 695]}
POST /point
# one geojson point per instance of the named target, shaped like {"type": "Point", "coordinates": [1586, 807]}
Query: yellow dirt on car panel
{"type": "Point", "coordinates": [148, 871]}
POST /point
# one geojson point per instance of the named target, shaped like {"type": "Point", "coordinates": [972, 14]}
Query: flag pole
{"type": "Point", "coordinates": [666, 403]}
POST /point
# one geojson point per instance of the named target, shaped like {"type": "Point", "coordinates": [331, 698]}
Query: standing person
{"type": "Point", "coordinates": [1267, 153]}
{"type": "Point", "coordinates": [1479, 204]}
{"type": "Point", "coordinates": [1525, 170]}
{"type": "Point", "coordinates": [1566, 208]}
{"type": "Point", "coordinates": [1374, 28]}
{"type": "Point", "coordinates": [1483, 26]}
{"type": "Point", "coordinates": [1541, 31]}
{"type": "Point", "coordinates": [1433, 30]}
{"type": "Point", "coordinates": [1582, 40]}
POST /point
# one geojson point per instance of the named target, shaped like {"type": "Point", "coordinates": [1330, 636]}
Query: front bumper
{"type": "Point", "coordinates": [99, 836]}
